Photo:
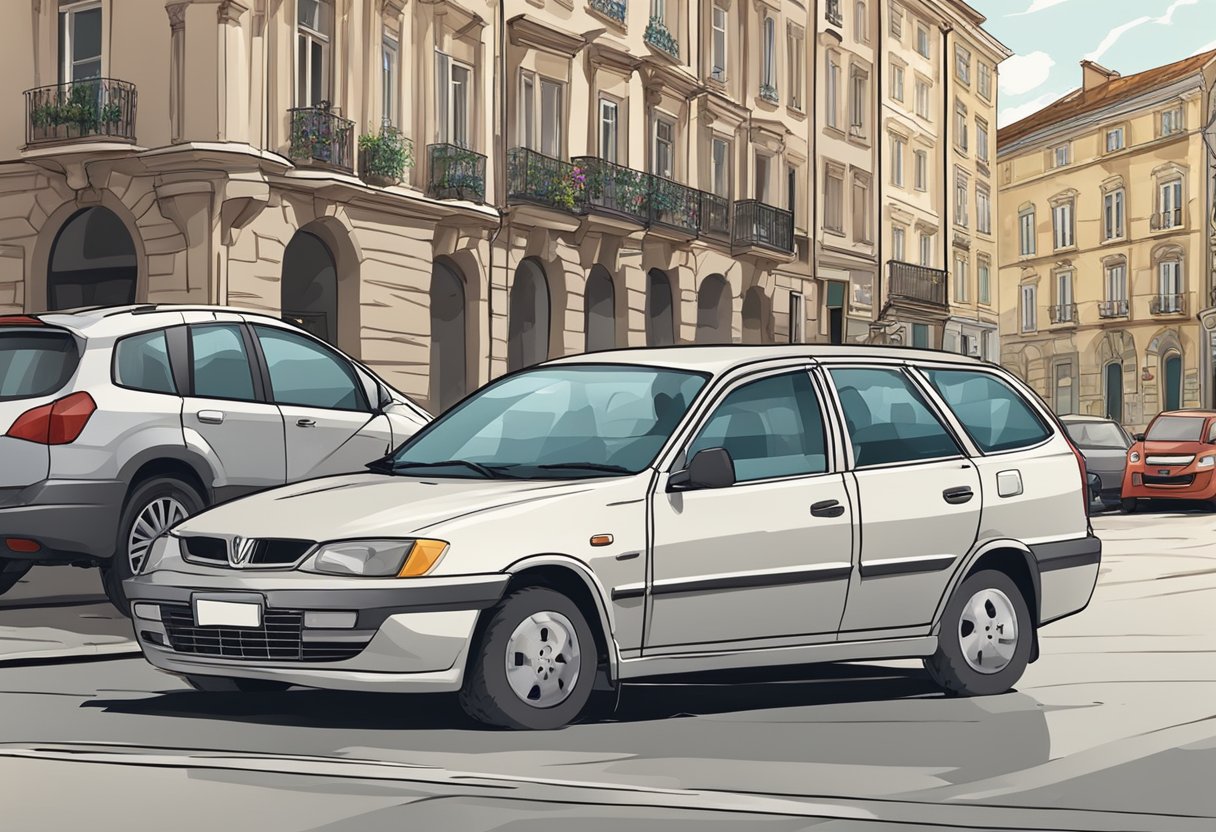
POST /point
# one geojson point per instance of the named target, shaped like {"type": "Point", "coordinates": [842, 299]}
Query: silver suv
{"type": "Point", "coordinates": [117, 423]}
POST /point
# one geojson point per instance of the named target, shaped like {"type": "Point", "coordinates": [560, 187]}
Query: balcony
{"type": "Point", "coordinates": [321, 137]}
{"type": "Point", "coordinates": [715, 217]}
{"type": "Point", "coordinates": [762, 225]}
{"type": "Point", "coordinates": [833, 13]}
{"type": "Point", "coordinates": [1165, 220]}
{"type": "Point", "coordinates": [1112, 309]}
{"type": "Point", "coordinates": [614, 188]}
{"type": "Point", "coordinates": [455, 172]}
{"type": "Point", "coordinates": [542, 180]}
{"type": "Point", "coordinates": [919, 284]}
{"type": "Point", "coordinates": [674, 206]}
{"type": "Point", "coordinates": [384, 157]}
{"type": "Point", "coordinates": [611, 9]}
{"type": "Point", "coordinates": [98, 109]}
{"type": "Point", "coordinates": [1063, 313]}
{"type": "Point", "coordinates": [1167, 304]}
{"type": "Point", "coordinates": [660, 37]}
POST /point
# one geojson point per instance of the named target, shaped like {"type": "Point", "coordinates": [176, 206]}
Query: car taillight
{"type": "Point", "coordinates": [57, 423]}
{"type": "Point", "coordinates": [1084, 473]}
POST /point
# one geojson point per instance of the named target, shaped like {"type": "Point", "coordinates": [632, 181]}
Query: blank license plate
{"type": "Point", "coordinates": [226, 614]}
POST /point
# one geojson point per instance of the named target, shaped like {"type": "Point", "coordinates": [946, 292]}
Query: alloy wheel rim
{"type": "Point", "coordinates": [156, 518]}
{"type": "Point", "coordinates": [988, 631]}
{"type": "Point", "coordinates": [543, 659]}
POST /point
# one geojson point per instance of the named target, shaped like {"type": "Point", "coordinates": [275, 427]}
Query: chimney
{"type": "Point", "coordinates": [1095, 75]}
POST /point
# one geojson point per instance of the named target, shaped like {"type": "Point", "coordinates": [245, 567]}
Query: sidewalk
{"type": "Point", "coordinates": [60, 613]}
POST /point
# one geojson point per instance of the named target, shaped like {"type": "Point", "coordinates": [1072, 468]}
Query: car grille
{"type": "Point", "coordinates": [279, 639]}
{"type": "Point", "coordinates": [1186, 479]}
{"type": "Point", "coordinates": [265, 552]}
{"type": "Point", "coordinates": [1181, 459]}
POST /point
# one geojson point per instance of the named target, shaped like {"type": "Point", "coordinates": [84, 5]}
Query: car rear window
{"type": "Point", "coordinates": [994, 415]}
{"type": "Point", "coordinates": [1096, 435]}
{"type": "Point", "coordinates": [35, 364]}
{"type": "Point", "coordinates": [141, 362]}
{"type": "Point", "coordinates": [1175, 429]}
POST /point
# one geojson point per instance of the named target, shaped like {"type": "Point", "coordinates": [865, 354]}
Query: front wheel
{"type": "Point", "coordinates": [12, 571]}
{"type": "Point", "coordinates": [224, 684]}
{"type": "Point", "coordinates": [1128, 505]}
{"type": "Point", "coordinates": [985, 639]}
{"type": "Point", "coordinates": [534, 666]}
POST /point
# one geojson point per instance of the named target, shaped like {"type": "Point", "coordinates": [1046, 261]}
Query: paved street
{"type": "Point", "coordinates": [1113, 728]}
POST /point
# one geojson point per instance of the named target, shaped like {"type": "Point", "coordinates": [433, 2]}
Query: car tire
{"type": "Point", "coordinates": [12, 571]}
{"type": "Point", "coordinates": [1129, 505]}
{"type": "Point", "coordinates": [539, 621]}
{"type": "Point", "coordinates": [225, 684]}
{"type": "Point", "coordinates": [992, 600]}
{"type": "Point", "coordinates": [157, 503]}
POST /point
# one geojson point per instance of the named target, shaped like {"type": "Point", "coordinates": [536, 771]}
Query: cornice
{"type": "Point", "coordinates": [527, 31]}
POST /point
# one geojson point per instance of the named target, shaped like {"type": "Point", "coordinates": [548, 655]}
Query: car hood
{"type": "Point", "coordinates": [372, 505]}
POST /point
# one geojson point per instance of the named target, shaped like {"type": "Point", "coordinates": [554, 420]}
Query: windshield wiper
{"type": "Point", "coordinates": [489, 472]}
{"type": "Point", "coordinates": [585, 466]}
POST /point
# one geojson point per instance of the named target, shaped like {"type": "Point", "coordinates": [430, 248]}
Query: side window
{"type": "Point", "coordinates": [219, 363]}
{"type": "Point", "coordinates": [141, 362]}
{"type": "Point", "coordinates": [993, 414]}
{"type": "Point", "coordinates": [305, 374]}
{"type": "Point", "coordinates": [887, 419]}
{"type": "Point", "coordinates": [771, 428]}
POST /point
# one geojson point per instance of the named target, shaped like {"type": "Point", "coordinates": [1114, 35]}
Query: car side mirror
{"type": "Point", "coordinates": [1139, 437]}
{"type": "Point", "coordinates": [709, 468]}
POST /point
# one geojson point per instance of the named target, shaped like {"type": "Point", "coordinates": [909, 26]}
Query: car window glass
{"type": "Point", "coordinates": [220, 365]}
{"type": "Point", "coordinates": [993, 414]}
{"type": "Point", "coordinates": [771, 428]}
{"type": "Point", "coordinates": [1097, 435]}
{"type": "Point", "coordinates": [35, 364]}
{"type": "Point", "coordinates": [141, 362]}
{"type": "Point", "coordinates": [1175, 429]}
{"type": "Point", "coordinates": [1212, 432]}
{"type": "Point", "coordinates": [305, 374]}
{"type": "Point", "coordinates": [887, 420]}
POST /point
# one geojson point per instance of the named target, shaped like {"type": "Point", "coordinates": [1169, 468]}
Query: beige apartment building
{"type": "Point", "coordinates": [1104, 244]}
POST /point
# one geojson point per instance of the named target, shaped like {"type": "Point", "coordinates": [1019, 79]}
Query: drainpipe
{"type": "Point", "coordinates": [500, 170]}
{"type": "Point", "coordinates": [947, 191]}
{"type": "Point", "coordinates": [876, 297]}
{"type": "Point", "coordinates": [812, 218]}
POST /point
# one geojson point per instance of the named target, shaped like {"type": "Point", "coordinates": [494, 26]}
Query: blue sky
{"type": "Point", "coordinates": [1049, 39]}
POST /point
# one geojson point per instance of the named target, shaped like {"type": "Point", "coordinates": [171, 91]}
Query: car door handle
{"type": "Point", "coordinates": [827, 508]}
{"type": "Point", "coordinates": [959, 495]}
{"type": "Point", "coordinates": [211, 417]}
{"type": "Point", "coordinates": [306, 423]}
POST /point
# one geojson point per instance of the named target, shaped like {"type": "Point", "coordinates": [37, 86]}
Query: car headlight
{"type": "Point", "coordinates": [1206, 461]}
{"type": "Point", "coordinates": [1134, 456]}
{"type": "Point", "coordinates": [377, 558]}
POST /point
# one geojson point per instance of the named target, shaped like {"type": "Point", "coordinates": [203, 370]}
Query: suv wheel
{"type": "Point", "coordinates": [534, 665]}
{"type": "Point", "coordinates": [12, 571]}
{"type": "Point", "coordinates": [224, 684]}
{"type": "Point", "coordinates": [153, 506]}
{"type": "Point", "coordinates": [985, 638]}
{"type": "Point", "coordinates": [1128, 505]}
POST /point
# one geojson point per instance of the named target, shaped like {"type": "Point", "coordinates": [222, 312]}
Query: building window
{"type": "Point", "coordinates": [797, 318]}
{"type": "Point", "coordinates": [962, 64]}
{"type": "Point", "coordinates": [922, 99]}
{"type": "Point", "coordinates": [920, 336]}
{"type": "Point", "coordinates": [314, 34]}
{"type": "Point", "coordinates": [454, 100]}
{"type": "Point", "coordinates": [861, 209]}
{"type": "Point", "coordinates": [720, 160]}
{"type": "Point", "coordinates": [921, 169]}
{"type": "Point", "coordinates": [926, 248]}
{"type": "Point", "coordinates": [960, 200]}
{"type": "Point", "coordinates": [962, 279]}
{"type": "Point", "coordinates": [861, 22]}
{"type": "Point", "coordinates": [897, 161]}
{"type": "Point", "coordinates": [983, 274]}
{"type": "Point", "coordinates": [833, 90]}
{"type": "Point", "coordinates": [983, 210]}
{"type": "Point", "coordinates": [981, 140]}
{"type": "Point", "coordinates": [764, 164]}
{"type": "Point", "coordinates": [1171, 121]}
{"type": "Point", "coordinates": [1063, 391]}
{"type": "Point", "coordinates": [1030, 318]}
{"type": "Point", "coordinates": [1026, 233]}
{"type": "Point", "coordinates": [859, 101]}
{"type": "Point", "coordinates": [833, 201]}
{"type": "Point", "coordinates": [1114, 139]}
{"type": "Point", "coordinates": [796, 59]}
{"type": "Point", "coordinates": [897, 82]}
{"type": "Point", "coordinates": [985, 81]}
{"type": "Point", "coordinates": [791, 192]}
{"type": "Point", "coordinates": [663, 152]}
{"type": "Point", "coordinates": [720, 14]}
{"type": "Point", "coordinates": [610, 130]}
{"type": "Point", "coordinates": [1169, 277]}
{"type": "Point", "coordinates": [1116, 282]}
{"type": "Point", "coordinates": [960, 125]}
{"type": "Point", "coordinates": [1170, 198]}
{"type": "Point", "coordinates": [897, 23]}
{"type": "Point", "coordinates": [390, 79]}
{"type": "Point", "coordinates": [1064, 292]}
{"type": "Point", "coordinates": [1061, 221]}
{"type": "Point", "coordinates": [1112, 215]}
{"type": "Point", "coordinates": [898, 243]}
{"type": "Point", "coordinates": [768, 77]}
{"type": "Point", "coordinates": [80, 41]}
{"type": "Point", "coordinates": [1061, 156]}
{"type": "Point", "coordinates": [540, 100]}
{"type": "Point", "coordinates": [922, 40]}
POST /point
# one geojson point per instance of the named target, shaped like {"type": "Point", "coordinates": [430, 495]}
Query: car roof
{"type": "Point", "coordinates": [720, 359]}
{"type": "Point", "coordinates": [1080, 417]}
{"type": "Point", "coordinates": [1189, 411]}
{"type": "Point", "coordinates": [108, 321]}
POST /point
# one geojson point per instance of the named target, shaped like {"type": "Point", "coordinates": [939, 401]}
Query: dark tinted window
{"type": "Point", "coordinates": [35, 364]}
{"type": "Point", "coordinates": [142, 362]}
{"type": "Point", "coordinates": [772, 428]}
{"type": "Point", "coordinates": [220, 363]}
{"type": "Point", "coordinates": [887, 420]}
{"type": "Point", "coordinates": [306, 374]}
{"type": "Point", "coordinates": [1175, 429]}
{"type": "Point", "coordinates": [992, 412]}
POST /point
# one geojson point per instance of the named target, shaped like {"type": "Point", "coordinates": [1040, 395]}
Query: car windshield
{"type": "Point", "coordinates": [567, 422]}
{"type": "Point", "coordinates": [1096, 435]}
{"type": "Point", "coordinates": [1176, 429]}
{"type": "Point", "coordinates": [34, 364]}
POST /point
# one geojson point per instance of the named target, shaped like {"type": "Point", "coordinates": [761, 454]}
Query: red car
{"type": "Point", "coordinates": [1175, 459]}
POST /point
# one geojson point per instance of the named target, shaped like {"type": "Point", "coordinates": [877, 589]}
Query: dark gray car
{"type": "Point", "coordinates": [1104, 444]}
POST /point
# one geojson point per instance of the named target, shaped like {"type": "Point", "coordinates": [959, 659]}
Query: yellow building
{"type": "Point", "coordinates": [1104, 243]}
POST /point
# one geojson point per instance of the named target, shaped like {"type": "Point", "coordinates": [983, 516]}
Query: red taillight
{"type": "Point", "coordinates": [57, 423]}
{"type": "Point", "coordinates": [19, 320]}
{"type": "Point", "coordinates": [1084, 472]}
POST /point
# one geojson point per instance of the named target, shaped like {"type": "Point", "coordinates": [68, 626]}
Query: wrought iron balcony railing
{"type": "Point", "coordinates": [537, 178]}
{"type": "Point", "coordinates": [613, 9]}
{"type": "Point", "coordinates": [98, 108]}
{"type": "Point", "coordinates": [1063, 313]}
{"type": "Point", "coordinates": [320, 136]}
{"type": "Point", "coordinates": [760, 224]}
{"type": "Point", "coordinates": [660, 37]}
{"type": "Point", "coordinates": [833, 13]}
{"type": "Point", "coordinates": [715, 216]}
{"type": "Point", "coordinates": [455, 172]}
{"type": "Point", "coordinates": [616, 188]}
{"type": "Point", "coordinates": [1164, 220]}
{"type": "Point", "coordinates": [917, 283]}
{"type": "Point", "coordinates": [1112, 309]}
{"type": "Point", "coordinates": [1163, 304]}
{"type": "Point", "coordinates": [384, 157]}
{"type": "Point", "coordinates": [674, 205]}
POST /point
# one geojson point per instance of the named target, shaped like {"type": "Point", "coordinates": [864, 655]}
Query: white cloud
{"type": "Point", "coordinates": [1038, 6]}
{"type": "Point", "coordinates": [1205, 48]}
{"type": "Point", "coordinates": [1168, 18]}
{"type": "Point", "coordinates": [1023, 73]}
{"type": "Point", "coordinates": [1112, 37]}
{"type": "Point", "coordinates": [1009, 115]}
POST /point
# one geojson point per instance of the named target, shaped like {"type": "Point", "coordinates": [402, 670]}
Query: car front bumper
{"type": "Point", "coordinates": [1189, 483]}
{"type": "Point", "coordinates": [407, 635]}
{"type": "Point", "coordinates": [69, 519]}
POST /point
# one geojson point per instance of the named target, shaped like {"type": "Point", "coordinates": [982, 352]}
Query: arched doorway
{"type": "Point", "coordinates": [1114, 391]}
{"type": "Point", "coordinates": [660, 314]}
{"type": "Point", "coordinates": [449, 337]}
{"type": "Point", "coordinates": [92, 263]}
{"type": "Point", "coordinates": [528, 317]}
{"type": "Point", "coordinates": [599, 310]}
{"type": "Point", "coordinates": [755, 306]}
{"type": "Point", "coordinates": [1171, 381]}
{"type": "Point", "coordinates": [713, 311]}
{"type": "Point", "coordinates": [310, 286]}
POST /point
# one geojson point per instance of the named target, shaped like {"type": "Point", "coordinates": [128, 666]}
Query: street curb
{"type": "Point", "coordinates": [63, 655]}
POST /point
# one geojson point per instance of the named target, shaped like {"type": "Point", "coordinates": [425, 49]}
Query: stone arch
{"type": "Point", "coordinates": [660, 309]}
{"type": "Point", "coordinates": [600, 318]}
{"type": "Point", "coordinates": [449, 341]}
{"type": "Point", "coordinates": [714, 311]}
{"type": "Point", "coordinates": [343, 253]}
{"type": "Point", "coordinates": [529, 316]}
{"type": "Point", "coordinates": [757, 316]}
{"type": "Point", "coordinates": [92, 262]}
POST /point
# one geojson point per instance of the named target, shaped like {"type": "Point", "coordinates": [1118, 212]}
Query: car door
{"type": "Point", "coordinates": [225, 413]}
{"type": "Point", "coordinates": [765, 560]}
{"type": "Point", "coordinates": [331, 427]}
{"type": "Point", "coordinates": [919, 498]}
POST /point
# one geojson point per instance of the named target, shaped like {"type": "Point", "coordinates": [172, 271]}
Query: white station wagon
{"type": "Point", "coordinates": [618, 515]}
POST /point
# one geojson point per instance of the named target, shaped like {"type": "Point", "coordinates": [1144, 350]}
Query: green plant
{"type": "Point", "coordinates": [385, 155]}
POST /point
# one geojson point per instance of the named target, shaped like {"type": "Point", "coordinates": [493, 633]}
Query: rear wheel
{"type": "Point", "coordinates": [12, 571]}
{"type": "Point", "coordinates": [223, 684]}
{"type": "Point", "coordinates": [1128, 505]}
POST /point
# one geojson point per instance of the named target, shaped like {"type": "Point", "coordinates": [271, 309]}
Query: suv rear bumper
{"type": "Point", "coordinates": [68, 518]}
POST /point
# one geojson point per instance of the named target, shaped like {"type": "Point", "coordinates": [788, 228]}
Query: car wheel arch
{"type": "Point", "coordinates": [1008, 556]}
{"type": "Point", "coordinates": [170, 462]}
